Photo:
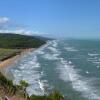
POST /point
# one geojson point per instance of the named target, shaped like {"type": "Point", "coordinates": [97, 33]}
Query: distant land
{"type": "Point", "coordinates": [17, 41]}
{"type": "Point", "coordinates": [13, 44]}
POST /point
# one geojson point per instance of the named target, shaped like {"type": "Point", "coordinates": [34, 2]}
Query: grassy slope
{"type": "Point", "coordinates": [7, 53]}
{"type": "Point", "coordinates": [11, 44]}
{"type": "Point", "coordinates": [16, 92]}
{"type": "Point", "coordinates": [7, 88]}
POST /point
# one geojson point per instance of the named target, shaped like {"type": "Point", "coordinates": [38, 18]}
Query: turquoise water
{"type": "Point", "coordinates": [69, 66]}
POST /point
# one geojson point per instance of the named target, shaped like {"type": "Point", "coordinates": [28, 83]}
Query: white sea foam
{"type": "Point", "coordinates": [53, 49]}
{"type": "Point", "coordinates": [54, 43]}
{"type": "Point", "coordinates": [91, 59]}
{"type": "Point", "coordinates": [41, 86]}
{"type": "Point", "coordinates": [51, 56]}
{"type": "Point", "coordinates": [27, 69]}
{"type": "Point", "coordinates": [93, 54]}
{"type": "Point", "coordinates": [53, 52]}
{"type": "Point", "coordinates": [94, 60]}
{"type": "Point", "coordinates": [41, 49]}
{"type": "Point", "coordinates": [69, 73]}
{"type": "Point", "coordinates": [72, 49]}
{"type": "Point", "coordinates": [87, 72]}
{"type": "Point", "coordinates": [98, 66]}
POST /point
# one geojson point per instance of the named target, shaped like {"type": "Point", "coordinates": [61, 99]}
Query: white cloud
{"type": "Point", "coordinates": [4, 20]}
{"type": "Point", "coordinates": [23, 32]}
{"type": "Point", "coordinates": [6, 26]}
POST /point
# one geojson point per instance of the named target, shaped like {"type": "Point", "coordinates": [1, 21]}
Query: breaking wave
{"type": "Point", "coordinates": [69, 73]}
{"type": "Point", "coordinates": [29, 68]}
{"type": "Point", "coordinates": [72, 49]}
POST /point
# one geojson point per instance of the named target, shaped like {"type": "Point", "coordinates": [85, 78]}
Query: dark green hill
{"type": "Point", "coordinates": [20, 41]}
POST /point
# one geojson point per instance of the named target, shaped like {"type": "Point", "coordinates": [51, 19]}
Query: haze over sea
{"type": "Point", "coordinates": [70, 66]}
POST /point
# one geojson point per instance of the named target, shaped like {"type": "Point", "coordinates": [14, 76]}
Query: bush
{"type": "Point", "coordinates": [52, 96]}
{"type": "Point", "coordinates": [8, 84]}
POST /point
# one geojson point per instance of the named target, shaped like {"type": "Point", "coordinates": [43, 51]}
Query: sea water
{"type": "Point", "coordinates": [70, 66]}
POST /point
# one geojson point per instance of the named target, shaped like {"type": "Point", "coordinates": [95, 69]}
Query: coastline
{"type": "Point", "coordinates": [5, 64]}
{"type": "Point", "coordinates": [11, 60]}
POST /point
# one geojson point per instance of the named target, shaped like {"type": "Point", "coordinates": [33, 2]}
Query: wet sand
{"type": "Point", "coordinates": [9, 61]}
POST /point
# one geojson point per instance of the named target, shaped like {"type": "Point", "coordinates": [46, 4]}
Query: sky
{"type": "Point", "coordinates": [67, 18]}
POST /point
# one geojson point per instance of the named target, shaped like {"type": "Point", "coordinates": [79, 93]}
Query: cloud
{"type": "Point", "coordinates": [4, 20]}
{"type": "Point", "coordinates": [6, 26]}
{"type": "Point", "coordinates": [23, 32]}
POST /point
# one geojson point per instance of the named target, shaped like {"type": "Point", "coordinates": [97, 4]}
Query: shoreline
{"type": "Point", "coordinates": [5, 64]}
{"type": "Point", "coordinates": [11, 60]}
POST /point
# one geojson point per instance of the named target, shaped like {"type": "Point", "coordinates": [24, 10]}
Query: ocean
{"type": "Point", "coordinates": [71, 66]}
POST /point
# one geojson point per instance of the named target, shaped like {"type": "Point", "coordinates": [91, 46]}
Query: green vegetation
{"type": "Point", "coordinates": [7, 53]}
{"type": "Point", "coordinates": [7, 84]}
{"type": "Point", "coordinates": [13, 44]}
{"type": "Point", "coordinates": [16, 41]}
{"type": "Point", "coordinates": [52, 96]}
{"type": "Point", "coordinates": [21, 90]}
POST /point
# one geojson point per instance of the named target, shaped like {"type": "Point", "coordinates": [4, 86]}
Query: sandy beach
{"type": "Point", "coordinates": [4, 64]}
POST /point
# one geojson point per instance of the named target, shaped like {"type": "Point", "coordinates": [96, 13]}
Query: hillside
{"type": "Point", "coordinates": [10, 91]}
{"type": "Point", "coordinates": [13, 44]}
{"type": "Point", "coordinates": [16, 41]}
